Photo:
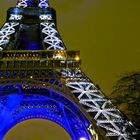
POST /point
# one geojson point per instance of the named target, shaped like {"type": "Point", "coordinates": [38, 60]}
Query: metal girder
{"type": "Point", "coordinates": [22, 3]}
{"type": "Point", "coordinates": [5, 32]}
{"type": "Point", "coordinates": [99, 107]}
{"type": "Point", "coordinates": [51, 36]}
{"type": "Point", "coordinates": [43, 3]}
{"type": "Point", "coordinates": [8, 29]}
{"type": "Point", "coordinates": [26, 103]}
{"type": "Point", "coordinates": [26, 3]}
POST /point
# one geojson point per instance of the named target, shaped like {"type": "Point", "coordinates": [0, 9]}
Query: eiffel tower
{"type": "Point", "coordinates": [40, 78]}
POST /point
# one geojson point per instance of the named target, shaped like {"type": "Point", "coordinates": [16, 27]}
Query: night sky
{"type": "Point", "coordinates": [105, 31]}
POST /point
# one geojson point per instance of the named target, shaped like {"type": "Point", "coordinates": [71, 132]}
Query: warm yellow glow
{"type": "Point", "coordinates": [59, 55]}
{"type": "Point", "coordinates": [77, 58]}
{"type": "Point", "coordinates": [31, 77]}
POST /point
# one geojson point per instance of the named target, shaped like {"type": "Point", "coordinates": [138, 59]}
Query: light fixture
{"type": "Point", "coordinates": [82, 138]}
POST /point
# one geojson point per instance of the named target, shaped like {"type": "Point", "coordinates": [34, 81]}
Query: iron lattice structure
{"type": "Point", "coordinates": [39, 78]}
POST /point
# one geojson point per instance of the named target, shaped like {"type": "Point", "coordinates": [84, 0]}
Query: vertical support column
{"type": "Point", "coordinates": [8, 29]}
{"type": "Point", "coordinates": [50, 33]}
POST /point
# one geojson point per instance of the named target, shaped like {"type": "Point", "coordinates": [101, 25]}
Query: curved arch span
{"type": "Point", "coordinates": [18, 105]}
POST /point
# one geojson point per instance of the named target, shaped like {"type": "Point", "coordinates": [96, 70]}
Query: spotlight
{"type": "Point", "coordinates": [82, 138]}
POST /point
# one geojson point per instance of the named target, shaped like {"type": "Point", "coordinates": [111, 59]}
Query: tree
{"type": "Point", "coordinates": [126, 95]}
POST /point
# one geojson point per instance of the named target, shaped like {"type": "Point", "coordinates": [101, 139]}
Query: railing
{"type": "Point", "coordinates": [39, 59]}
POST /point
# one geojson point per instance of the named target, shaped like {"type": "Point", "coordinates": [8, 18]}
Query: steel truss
{"type": "Point", "coordinates": [9, 29]}
{"type": "Point", "coordinates": [28, 104]}
{"type": "Point", "coordinates": [98, 106]}
{"type": "Point", "coordinates": [43, 4]}
{"type": "Point", "coordinates": [26, 3]}
{"type": "Point", "coordinates": [51, 36]}
{"type": "Point", "coordinates": [22, 3]}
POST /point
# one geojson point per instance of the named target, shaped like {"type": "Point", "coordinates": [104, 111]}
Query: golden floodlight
{"type": "Point", "coordinates": [77, 58]}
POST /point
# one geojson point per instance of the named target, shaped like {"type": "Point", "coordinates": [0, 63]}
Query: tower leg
{"type": "Point", "coordinates": [98, 106]}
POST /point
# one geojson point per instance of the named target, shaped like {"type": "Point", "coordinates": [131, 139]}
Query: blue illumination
{"type": "Point", "coordinates": [31, 3]}
{"type": "Point", "coordinates": [17, 11]}
{"type": "Point", "coordinates": [13, 101]}
{"type": "Point", "coordinates": [30, 41]}
{"type": "Point", "coordinates": [19, 104]}
{"type": "Point", "coordinates": [43, 4]}
{"type": "Point", "coordinates": [33, 46]}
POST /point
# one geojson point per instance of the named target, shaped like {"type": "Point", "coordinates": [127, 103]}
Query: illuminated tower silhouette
{"type": "Point", "coordinates": [39, 78]}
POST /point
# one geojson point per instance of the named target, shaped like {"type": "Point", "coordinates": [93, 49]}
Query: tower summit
{"type": "Point", "coordinates": [39, 78]}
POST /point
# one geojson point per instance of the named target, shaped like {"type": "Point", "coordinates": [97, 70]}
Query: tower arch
{"type": "Point", "coordinates": [19, 104]}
